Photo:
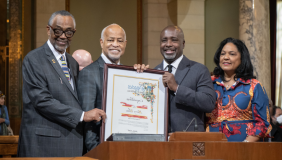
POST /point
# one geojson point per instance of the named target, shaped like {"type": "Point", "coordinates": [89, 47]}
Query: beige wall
{"type": "Point", "coordinates": [221, 21]}
{"type": "Point", "coordinates": [92, 16]}
{"type": "Point", "coordinates": [44, 10]}
{"type": "Point", "coordinates": [155, 18]}
{"type": "Point", "coordinates": [188, 14]}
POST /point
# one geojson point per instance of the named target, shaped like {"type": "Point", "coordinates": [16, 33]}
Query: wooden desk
{"type": "Point", "coordinates": [186, 146]}
{"type": "Point", "coordinates": [51, 158]}
{"type": "Point", "coordinates": [8, 146]}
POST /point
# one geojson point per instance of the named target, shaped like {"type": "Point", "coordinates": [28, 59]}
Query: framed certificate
{"type": "Point", "coordinates": [135, 103]}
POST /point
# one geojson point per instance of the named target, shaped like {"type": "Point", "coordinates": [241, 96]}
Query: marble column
{"type": "Point", "coordinates": [254, 31]}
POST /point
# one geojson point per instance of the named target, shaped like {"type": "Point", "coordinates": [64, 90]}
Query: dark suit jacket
{"type": "Point", "coordinates": [90, 90]}
{"type": "Point", "coordinates": [194, 97]}
{"type": "Point", "coordinates": [276, 133]}
{"type": "Point", "coordinates": [51, 111]}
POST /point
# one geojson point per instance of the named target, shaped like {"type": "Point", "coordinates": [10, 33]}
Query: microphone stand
{"type": "Point", "coordinates": [195, 127]}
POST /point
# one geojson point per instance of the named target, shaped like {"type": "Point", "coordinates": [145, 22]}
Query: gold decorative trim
{"type": "Point", "coordinates": [22, 27]}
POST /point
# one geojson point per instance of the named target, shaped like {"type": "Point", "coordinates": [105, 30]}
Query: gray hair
{"type": "Point", "coordinates": [102, 33]}
{"type": "Point", "coordinates": [63, 13]}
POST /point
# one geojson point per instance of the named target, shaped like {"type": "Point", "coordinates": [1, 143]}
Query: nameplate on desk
{"type": "Point", "coordinates": [137, 137]}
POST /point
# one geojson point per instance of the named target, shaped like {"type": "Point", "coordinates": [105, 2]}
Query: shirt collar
{"type": "Point", "coordinates": [218, 80]}
{"type": "Point", "coordinates": [106, 60]}
{"type": "Point", "coordinates": [175, 63]}
{"type": "Point", "coordinates": [55, 52]}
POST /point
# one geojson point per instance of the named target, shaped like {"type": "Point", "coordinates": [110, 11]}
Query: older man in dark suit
{"type": "Point", "coordinates": [52, 116]}
{"type": "Point", "coordinates": [191, 91]}
{"type": "Point", "coordinates": [90, 80]}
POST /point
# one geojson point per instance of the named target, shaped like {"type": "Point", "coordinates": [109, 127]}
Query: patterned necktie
{"type": "Point", "coordinates": [65, 68]}
{"type": "Point", "coordinates": [169, 68]}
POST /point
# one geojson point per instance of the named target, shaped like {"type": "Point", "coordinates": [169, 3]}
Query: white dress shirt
{"type": "Point", "coordinates": [106, 60]}
{"type": "Point", "coordinates": [175, 65]}
{"type": "Point", "coordinates": [58, 56]}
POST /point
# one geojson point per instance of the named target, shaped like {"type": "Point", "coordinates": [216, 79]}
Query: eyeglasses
{"type": "Point", "coordinates": [59, 32]}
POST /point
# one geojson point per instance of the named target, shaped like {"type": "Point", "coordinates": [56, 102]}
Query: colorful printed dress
{"type": "Point", "coordinates": [240, 111]}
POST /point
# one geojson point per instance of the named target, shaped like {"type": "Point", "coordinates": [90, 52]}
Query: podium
{"type": "Point", "coordinates": [188, 145]}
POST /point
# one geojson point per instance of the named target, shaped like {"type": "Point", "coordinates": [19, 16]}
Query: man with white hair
{"type": "Point", "coordinates": [90, 79]}
{"type": "Point", "coordinates": [82, 57]}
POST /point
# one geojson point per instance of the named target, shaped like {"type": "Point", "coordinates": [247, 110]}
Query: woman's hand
{"type": "Point", "coordinates": [252, 138]}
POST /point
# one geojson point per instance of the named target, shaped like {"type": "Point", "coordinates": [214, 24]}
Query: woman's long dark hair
{"type": "Point", "coordinates": [244, 70]}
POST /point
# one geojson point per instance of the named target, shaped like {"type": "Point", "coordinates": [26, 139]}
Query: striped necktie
{"type": "Point", "coordinates": [65, 68]}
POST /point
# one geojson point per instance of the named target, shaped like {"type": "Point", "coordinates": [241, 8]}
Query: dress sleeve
{"type": "Point", "coordinates": [7, 121]}
{"type": "Point", "coordinates": [260, 113]}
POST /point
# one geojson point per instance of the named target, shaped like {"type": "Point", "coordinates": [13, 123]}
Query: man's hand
{"type": "Point", "coordinates": [169, 81]}
{"type": "Point", "coordinates": [94, 115]}
{"type": "Point", "coordinates": [2, 120]}
{"type": "Point", "coordinates": [140, 68]}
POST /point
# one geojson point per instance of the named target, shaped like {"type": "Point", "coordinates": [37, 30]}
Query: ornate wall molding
{"type": "Point", "coordinates": [15, 60]}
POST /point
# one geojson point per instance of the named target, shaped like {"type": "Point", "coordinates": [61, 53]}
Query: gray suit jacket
{"type": "Point", "coordinates": [51, 111]}
{"type": "Point", "coordinates": [194, 97]}
{"type": "Point", "coordinates": [90, 90]}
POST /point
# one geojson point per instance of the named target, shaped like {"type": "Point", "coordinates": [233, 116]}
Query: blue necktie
{"type": "Point", "coordinates": [65, 68]}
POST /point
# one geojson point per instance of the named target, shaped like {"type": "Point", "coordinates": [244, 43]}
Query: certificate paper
{"type": "Point", "coordinates": [133, 103]}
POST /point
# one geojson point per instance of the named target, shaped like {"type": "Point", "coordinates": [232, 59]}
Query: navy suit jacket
{"type": "Point", "coordinates": [50, 125]}
{"type": "Point", "coordinates": [194, 97]}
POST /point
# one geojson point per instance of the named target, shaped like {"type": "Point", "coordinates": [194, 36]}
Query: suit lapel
{"type": "Point", "coordinates": [101, 69]}
{"type": "Point", "coordinates": [182, 70]}
{"type": "Point", "coordinates": [52, 59]}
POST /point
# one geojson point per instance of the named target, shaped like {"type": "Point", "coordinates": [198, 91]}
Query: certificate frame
{"type": "Point", "coordinates": [164, 98]}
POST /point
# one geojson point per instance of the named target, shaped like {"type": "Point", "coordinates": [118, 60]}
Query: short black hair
{"type": "Point", "coordinates": [274, 110]}
{"type": "Point", "coordinates": [63, 13]}
{"type": "Point", "coordinates": [244, 70]}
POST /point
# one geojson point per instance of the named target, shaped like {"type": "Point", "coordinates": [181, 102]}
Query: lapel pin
{"type": "Point", "coordinates": [53, 61]}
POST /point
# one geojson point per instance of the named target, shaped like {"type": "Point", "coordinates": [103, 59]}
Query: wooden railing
{"type": "Point", "coordinates": [8, 146]}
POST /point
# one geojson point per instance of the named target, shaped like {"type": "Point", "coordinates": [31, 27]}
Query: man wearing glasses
{"type": "Point", "coordinates": [51, 121]}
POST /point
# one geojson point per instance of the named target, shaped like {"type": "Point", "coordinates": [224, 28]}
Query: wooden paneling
{"type": "Point", "coordinates": [64, 158]}
{"type": "Point", "coordinates": [15, 124]}
{"type": "Point", "coordinates": [186, 150]}
{"type": "Point", "coordinates": [8, 145]}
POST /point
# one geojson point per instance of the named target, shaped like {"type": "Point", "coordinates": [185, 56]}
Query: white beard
{"type": "Point", "coordinates": [60, 48]}
{"type": "Point", "coordinates": [114, 58]}
{"type": "Point", "coordinates": [170, 56]}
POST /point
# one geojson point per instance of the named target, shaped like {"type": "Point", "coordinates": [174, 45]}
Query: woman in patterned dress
{"type": "Point", "coordinates": [242, 108]}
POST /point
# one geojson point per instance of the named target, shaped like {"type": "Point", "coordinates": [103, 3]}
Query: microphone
{"type": "Point", "coordinates": [195, 127]}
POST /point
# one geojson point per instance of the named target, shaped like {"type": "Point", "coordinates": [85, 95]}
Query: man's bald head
{"type": "Point", "coordinates": [172, 43]}
{"type": "Point", "coordinates": [176, 28]}
{"type": "Point", "coordinates": [82, 57]}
